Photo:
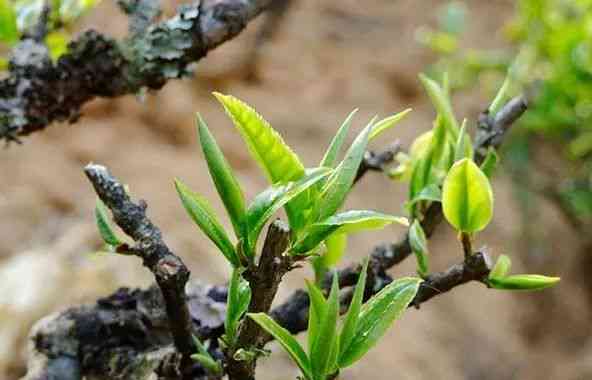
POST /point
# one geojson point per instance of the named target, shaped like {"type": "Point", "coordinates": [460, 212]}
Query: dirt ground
{"type": "Point", "coordinates": [327, 58]}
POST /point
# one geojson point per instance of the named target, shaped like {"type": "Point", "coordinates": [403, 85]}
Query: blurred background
{"type": "Point", "coordinates": [305, 69]}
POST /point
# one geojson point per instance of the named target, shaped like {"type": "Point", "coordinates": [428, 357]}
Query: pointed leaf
{"type": "Point", "coordinates": [239, 297]}
{"type": "Point", "coordinates": [441, 102]}
{"type": "Point", "coordinates": [501, 97]}
{"type": "Point", "coordinates": [336, 244]}
{"type": "Point", "coordinates": [501, 268]}
{"type": "Point", "coordinates": [463, 147]}
{"type": "Point", "coordinates": [320, 354]}
{"type": "Point", "coordinates": [467, 199]}
{"type": "Point", "coordinates": [490, 162]}
{"type": "Point", "coordinates": [377, 315]}
{"type": "Point", "coordinates": [287, 341]}
{"type": "Point", "coordinates": [351, 318]}
{"type": "Point", "coordinates": [523, 282]}
{"type": "Point", "coordinates": [431, 193]}
{"type": "Point", "coordinates": [346, 222]}
{"type": "Point", "coordinates": [317, 309]}
{"type": "Point", "coordinates": [339, 183]}
{"type": "Point", "coordinates": [267, 203]}
{"type": "Point", "coordinates": [228, 187]}
{"type": "Point", "coordinates": [419, 246]}
{"type": "Point", "coordinates": [330, 157]}
{"type": "Point", "coordinates": [202, 214]}
{"type": "Point", "coordinates": [109, 236]}
{"type": "Point", "coordinates": [387, 123]}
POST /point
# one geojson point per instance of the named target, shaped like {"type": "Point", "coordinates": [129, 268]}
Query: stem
{"type": "Point", "coordinates": [467, 244]}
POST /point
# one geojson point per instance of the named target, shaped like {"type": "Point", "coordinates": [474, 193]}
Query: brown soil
{"type": "Point", "coordinates": [328, 57]}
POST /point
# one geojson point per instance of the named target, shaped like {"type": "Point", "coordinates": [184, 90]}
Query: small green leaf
{"type": "Point", "coordinates": [330, 157]}
{"type": "Point", "coordinates": [317, 309]}
{"type": "Point", "coordinates": [431, 193]}
{"type": "Point", "coordinates": [287, 341]}
{"type": "Point", "coordinates": [239, 297]}
{"type": "Point", "coordinates": [501, 268]}
{"type": "Point", "coordinates": [339, 183]}
{"type": "Point", "coordinates": [463, 147]}
{"type": "Point", "coordinates": [345, 223]}
{"type": "Point", "coordinates": [523, 282]}
{"type": "Point", "coordinates": [109, 236]}
{"type": "Point", "coordinates": [8, 27]}
{"type": "Point", "coordinates": [323, 346]}
{"type": "Point", "coordinates": [271, 200]}
{"type": "Point", "coordinates": [377, 315]}
{"type": "Point", "coordinates": [467, 199]}
{"type": "Point", "coordinates": [351, 318]}
{"type": "Point", "coordinates": [441, 102]}
{"type": "Point", "coordinates": [387, 123]}
{"type": "Point", "coordinates": [336, 244]}
{"type": "Point", "coordinates": [500, 97]}
{"type": "Point", "coordinates": [57, 43]}
{"type": "Point", "coordinates": [490, 162]}
{"type": "Point", "coordinates": [208, 363]}
{"type": "Point", "coordinates": [202, 214]}
{"type": "Point", "coordinates": [419, 246]}
{"type": "Point", "coordinates": [226, 183]}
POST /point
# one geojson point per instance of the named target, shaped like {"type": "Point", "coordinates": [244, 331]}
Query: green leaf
{"type": "Point", "coordinates": [387, 123]}
{"type": "Point", "coordinates": [286, 340]}
{"type": "Point", "coordinates": [523, 282]}
{"type": "Point", "coordinates": [330, 157]}
{"type": "Point", "coordinates": [339, 183]}
{"type": "Point", "coordinates": [463, 147]}
{"type": "Point", "coordinates": [351, 318]}
{"type": "Point", "coordinates": [467, 199]}
{"type": "Point", "coordinates": [500, 97]}
{"type": "Point", "coordinates": [421, 177]}
{"type": "Point", "coordinates": [8, 27]}
{"type": "Point", "coordinates": [109, 236]}
{"type": "Point", "coordinates": [441, 102]}
{"type": "Point", "coordinates": [501, 268]}
{"type": "Point", "coordinates": [377, 315]}
{"type": "Point", "coordinates": [226, 183]}
{"type": "Point", "coordinates": [202, 214]}
{"type": "Point", "coordinates": [323, 346]}
{"type": "Point", "coordinates": [317, 309]}
{"type": "Point", "coordinates": [204, 358]}
{"type": "Point", "coordinates": [431, 193]}
{"type": "Point", "coordinates": [57, 43]}
{"type": "Point", "coordinates": [336, 244]}
{"type": "Point", "coordinates": [344, 223]}
{"type": "Point", "coordinates": [419, 246]}
{"type": "Point", "coordinates": [278, 161]}
{"type": "Point", "coordinates": [239, 297]}
{"type": "Point", "coordinates": [490, 162]}
{"type": "Point", "coordinates": [271, 200]}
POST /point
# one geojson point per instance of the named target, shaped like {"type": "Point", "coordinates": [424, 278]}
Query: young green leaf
{"type": "Point", "coordinates": [377, 315]}
{"type": "Point", "coordinates": [490, 162]}
{"type": "Point", "coordinates": [204, 358]}
{"type": "Point", "coordinates": [323, 346]}
{"type": "Point", "coordinates": [202, 214]}
{"type": "Point", "coordinates": [351, 318]}
{"type": "Point", "coordinates": [419, 246]}
{"type": "Point", "coordinates": [345, 223]}
{"type": "Point", "coordinates": [467, 199]}
{"type": "Point", "coordinates": [523, 282]}
{"type": "Point", "coordinates": [287, 341]}
{"type": "Point", "coordinates": [109, 236]}
{"type": "Point", "coordinates": [500, 97]}
{"type": "Point", "coordinates": [271, 200]}
{"type": "Point", "coordinates": [317, 309]}
{"type": "Point", "coordinates": [336, 244]}
{"type": "Point", "coordinates": [442, 104]}
{"type": "Point", "coordinates": [330, 157]}
{"type": "Point", "coordinates": [8, 27]}
{"type": "Point", "coordinates": [339, 183]}
{"type": "Point", "coordinates": [431, 193]}
{"type": "Point", "coordinates": [228, 187]}
{"type": "Point", "coordinates": [387, 123]}
{"type": "Point", "coordinates": [239, 297]}
{"type": "Point", "coordinates": [501, 268]}
{"type": "Point", "coordinates": [463, 147]}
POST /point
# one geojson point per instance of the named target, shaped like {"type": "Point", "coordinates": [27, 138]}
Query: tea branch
{"type": "Point", "coordinates": [170, 272]}
{"type": "Point", "coordinates": [38, 92]}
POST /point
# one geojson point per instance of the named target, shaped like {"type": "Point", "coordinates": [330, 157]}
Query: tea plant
{"type": "Point", "coordinates": [445, 173]}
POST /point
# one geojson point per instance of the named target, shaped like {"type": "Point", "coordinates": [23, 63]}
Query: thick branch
{"type": "Point", "coordinates": [39, 92]}
{"type": "Point", "coordinates": [170, 272]}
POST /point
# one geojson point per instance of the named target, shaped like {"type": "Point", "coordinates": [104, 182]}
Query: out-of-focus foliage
{"type": "Point", "coordinates": [551, 54]}
{"type": "Point", "coordinates": [18, 18]}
